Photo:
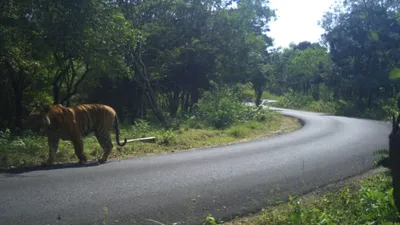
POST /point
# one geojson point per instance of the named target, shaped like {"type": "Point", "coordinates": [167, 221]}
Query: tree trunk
{"type": "Point", "coordinates": [144, 83]}
{"type": "Point", "coordinates": [194, 99]}
{"type": "Point", "coordinates": [394, 158]}
{"type": "Point", "coordinates": [17, 82]}
{"type": "Point", "coordinates": [315, 93]}
{"type": "Point", "coordinates": [137, 101]}
{"type": "Point", "coordinates": [336, 92]}
{"type": "Point", "coordinates": [259, 93]}
{"type": "Point", "coordinates": [6, 98]}
{"type": "Point", "coordinates": [18, 87]}
{"type": "Point", "coordinates": [186, 102]}
{"type": "Point", "coordinates": [56, 94]}
{"type": "Point", "coordinates": [57, 83]}
{"type": "Point", "coordinates": [174, 102]}
{"type": "Point", "coordinates": [369, 103]}
{"type": "Point", "coordinates": [183, 94]}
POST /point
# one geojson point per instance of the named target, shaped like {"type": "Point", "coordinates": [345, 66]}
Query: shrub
{"type": "Point", "coordinates": [294, 100]}
{"type": "Point", "coordinates": [238, 131]}
{"type": "Point", "coordinates": [221, 107]}
{"type": "Point", "coordinates": [141, 128]}
{"type": "Point", "coordinates": [380, 109]}
{"type": "Point", "coordinates": [306, 102]}
{"type": "Point", "coordinates": [166, 137]}
{"type": "Point", "coordinates": [322, 106]}
{"type": "Point", "coordinates": [244, 92]}
{"type": "Point", "coordinates": [369, 202]}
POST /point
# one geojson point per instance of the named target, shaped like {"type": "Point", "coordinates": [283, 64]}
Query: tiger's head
{"type": "Point", "coordinates": [38, 120]}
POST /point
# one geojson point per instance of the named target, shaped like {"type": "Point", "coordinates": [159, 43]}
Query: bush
{"type": "Point", "coordinates": [18, 151]}
{"type": "Point", "coordinates": [294, 100]}
{"type": "Point", "coordinates": [238, 131]}
{"type": "Point", "coordinates": [323, 107]}
{"type": "Point", "coordinates": [369, 202]}
{"type": "Point", "coordinates": [141, 128]}
{"type": "Point", "coordinates": [244, 92]}
{"type": "Point", "coordinates": [223, 107]}
{"type": "Point", "coordinates": [306, 101]}
{"type": "Point", "coordinates": [166, 137]}
{"type": "Point", "coordinates": [381, 109]}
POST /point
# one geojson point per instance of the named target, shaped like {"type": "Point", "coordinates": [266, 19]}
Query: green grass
{"type": "Point", "coordinates": [365, 201]}
{"type": "Point", "coordinates": [32, 150]}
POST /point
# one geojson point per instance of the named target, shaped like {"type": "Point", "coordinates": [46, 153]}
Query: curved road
{"type": "Point", "coordinates": [183, 187]}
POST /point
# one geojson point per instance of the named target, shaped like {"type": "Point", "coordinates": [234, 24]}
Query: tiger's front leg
{"type": "Point", "coordinates": [53, 147]}
{"type": "Point", "coordinates": [77, 141]}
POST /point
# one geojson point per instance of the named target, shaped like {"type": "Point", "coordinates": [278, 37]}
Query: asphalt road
{"type": "Point", "coordinates": [183, 187]}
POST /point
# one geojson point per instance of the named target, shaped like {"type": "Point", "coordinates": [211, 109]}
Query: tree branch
{"type": "Point", "coordinates": [75, 89]}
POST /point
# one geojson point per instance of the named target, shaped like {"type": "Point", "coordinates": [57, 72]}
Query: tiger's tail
{"type": "Point", "coordinates": [116, 126]}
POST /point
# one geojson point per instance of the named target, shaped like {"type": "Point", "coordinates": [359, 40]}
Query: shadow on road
{"type": "Point", "coordinates": [20, 170]}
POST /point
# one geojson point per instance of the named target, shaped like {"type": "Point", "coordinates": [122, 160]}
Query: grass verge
{"type": "Point", "coordinates": [32, 150]}
{"type": "Point", "coordinates": [364, 199]}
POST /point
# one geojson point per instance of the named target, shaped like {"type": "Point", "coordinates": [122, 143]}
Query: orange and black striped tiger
{"type": "Point", "coordinates": [74, 123]}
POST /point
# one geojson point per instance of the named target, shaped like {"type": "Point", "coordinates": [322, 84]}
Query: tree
{"type": "Point", "coordinates": [308, 68]}
{"type": "Point", "coordinates": [80, 43]}
{"type": "Point", "coordinates": [19, 57]}
{"type": "Point", "coordinates": [147, 59]}
{"type": "Point", "coordinates": [361, 36]}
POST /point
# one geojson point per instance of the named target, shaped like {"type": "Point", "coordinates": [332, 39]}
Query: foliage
{"type": "Point", "coordinates": [32, 150]}
{"type": "Point", "coordinates": [222, 107]}
{"type": "Point", "coordinates": [147, 59]}
{"type": "Point", "coordinates": [358, 60]}
{"type": "Point", "coordinates": [210, 220]}
{"type": "Point", "coordinates": [367, 202]}
{"type": "Point", "coordinates": [306, 102]}
{"type": "Point", "coordinates": [383, 159]}
{"type": "Point", "coordinates": [361, 36]}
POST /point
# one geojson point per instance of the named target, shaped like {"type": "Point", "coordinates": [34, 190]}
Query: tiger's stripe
{"type": "Point", "coordinates": [75, 123]}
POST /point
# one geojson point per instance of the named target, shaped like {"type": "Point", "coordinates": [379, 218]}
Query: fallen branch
{"type": "Point", "coordinates": [146, 139]}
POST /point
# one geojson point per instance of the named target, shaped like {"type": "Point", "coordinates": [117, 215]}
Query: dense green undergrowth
{"type": "Point", "coordinates": [294, 100]}
{"type": "Point", "coordinates": [218, 118]}
{"type": "Point", "coordinates": [380, 110]}
{"type": "Point", "coordinates": [366, 201]}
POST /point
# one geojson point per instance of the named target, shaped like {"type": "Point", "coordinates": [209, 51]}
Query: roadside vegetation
{"type": "Point", "coordinates": [220, 118]}
{"type": "Point", "coordinates": [357, 77]}
{"type": "Point", "coordinates": [353, 71]}
{"type": "Point", "coordinates": [176, 70]}
{"type": "Point", "coordinates": [367, 200]}
{"type": "Point", "coordinates": [180, 71]}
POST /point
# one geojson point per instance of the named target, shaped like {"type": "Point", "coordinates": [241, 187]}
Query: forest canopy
{"type": "Point", "coordinates": [144, 58]}
{"type": "Point", "coordinates": [156, 59]}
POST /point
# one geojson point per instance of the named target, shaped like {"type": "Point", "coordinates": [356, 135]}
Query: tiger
{"type": "Point", "coordinates": [74, 123]}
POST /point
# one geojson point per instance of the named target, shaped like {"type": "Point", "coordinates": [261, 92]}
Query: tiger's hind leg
{"type": "Point", "coordinates": [104, 139]}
